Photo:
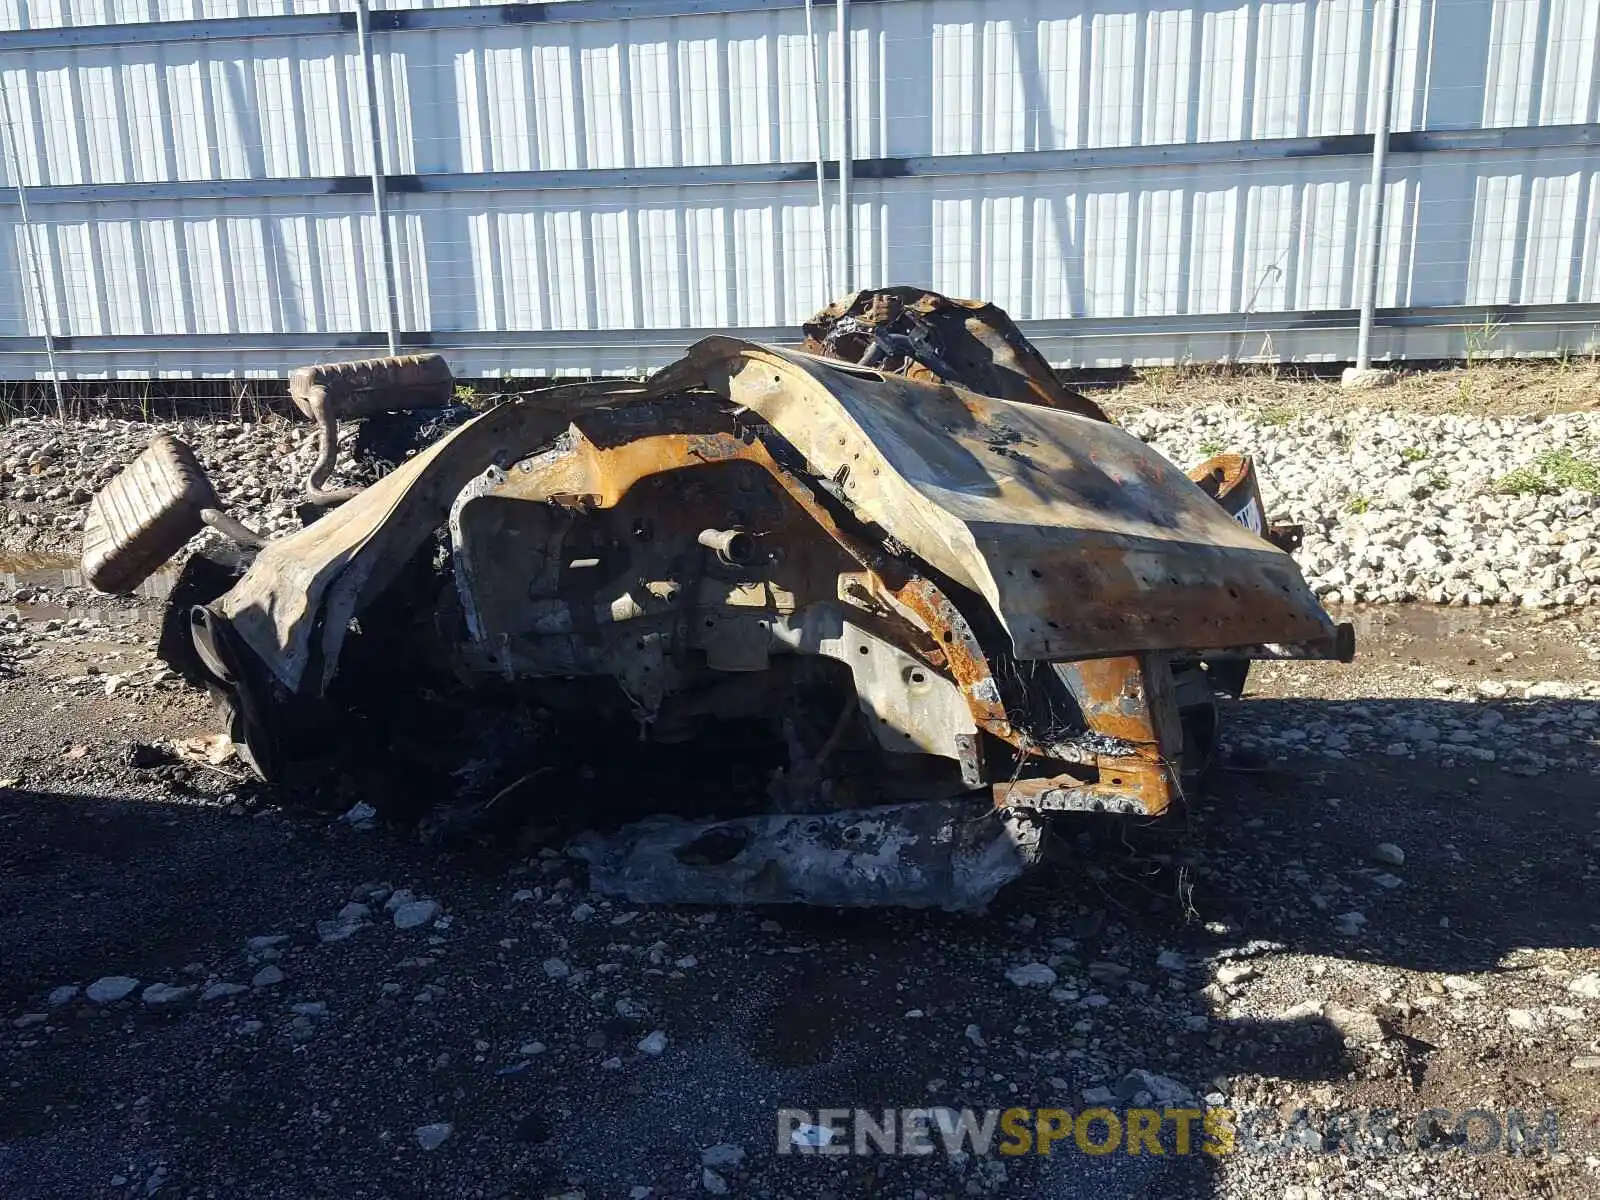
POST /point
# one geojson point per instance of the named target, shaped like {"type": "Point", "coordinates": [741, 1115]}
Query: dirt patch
{"type": "Point", "coordinates": [1480, 389]}
{"type": "Point", "coordinates": [516, 1016]}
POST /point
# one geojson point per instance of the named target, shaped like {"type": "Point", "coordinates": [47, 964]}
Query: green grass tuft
{"type": "Point", "coordinates": [1553, 471]}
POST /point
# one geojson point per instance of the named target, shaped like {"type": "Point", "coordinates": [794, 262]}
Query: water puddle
{"type": "Point", "coordinates": [54, 573]}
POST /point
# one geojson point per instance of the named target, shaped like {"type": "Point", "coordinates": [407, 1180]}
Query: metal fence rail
{"type": "Point", "coordinates": [584, 187]}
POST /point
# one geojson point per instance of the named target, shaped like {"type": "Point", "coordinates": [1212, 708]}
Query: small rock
{"type": "Point", "coordinates": [221, 991]}
{"type": "Point", "coordinates": [1230, 973]}
{"type": "Point", "coordinates": [110, 988]}
{"type": "Point", "coordinates": [1389, 854]}
{"type": "Point", "coordinates": [28, 1020]}
{"type": "Point", "coordinates": [1354, 1025]}
{"type": "Point", "coordinates": [1587, 985]}
{"type": "Point", "coordinates": [725, 1154]}
{"type": "Point", "coordinates": [269, 976]}
{"type": "Point", "coordinates": [1349, 924]}
{"type": "Point", "coordinates": [270, 941]}
{"type": "Point", "coordinates": [1171, 960]}
{"type": "Point", "coordinates": [1586, 1062]}
{"type": "Point", "coordinates": [431, 1137]}
{"type": "Point", "coordinates": [361, 815]}
{"type": "Point", "coordinates": [164, 995]}
{"type": "Point", "coordinates": [1033, 974]}
{"type": "Point", "coordinates": [554, 968]}
{"type": "Point", "coordinates": [653, 1043]}
{"type": "Point", "coordinates": [416, 914]}
{"type": "Point", "coordinates": [1160, 1088]}
{"type": "Point", "coordinates": [712, 1182]}
{"type": "Point", "coordinates": [64, 994]}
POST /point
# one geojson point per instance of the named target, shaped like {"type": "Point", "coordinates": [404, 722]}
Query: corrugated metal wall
{"type": "Point", "coordinates": [1134, 180]}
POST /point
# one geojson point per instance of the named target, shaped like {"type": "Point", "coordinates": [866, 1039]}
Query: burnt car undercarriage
{"type": "Point", "coordinates": [957, 594]}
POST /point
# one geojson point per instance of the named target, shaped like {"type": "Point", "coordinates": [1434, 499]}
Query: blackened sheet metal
{"type": "Point", "coordinates": [294, 605]}
{"type": "Point", "coordinates": [949, 854]}
{"type": "Point", "coordinates": [1085, 541]}
{"type": "Point", "coordinates": [924, 335]}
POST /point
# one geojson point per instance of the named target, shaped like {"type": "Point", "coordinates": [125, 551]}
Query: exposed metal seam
{"type": "Point", "coordinates": [1084, 328]}
{"type": "Point", "coordinates": [1585, 136]}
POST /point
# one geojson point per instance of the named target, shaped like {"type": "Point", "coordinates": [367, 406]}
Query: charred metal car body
{"type": "Point", "coordinates": [934, 591]}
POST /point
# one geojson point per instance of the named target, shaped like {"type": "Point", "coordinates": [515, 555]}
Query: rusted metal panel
{"type": "Point", "coordinates": [294, 605]}
{"type": "Point", "coordinates": [1085, 541]}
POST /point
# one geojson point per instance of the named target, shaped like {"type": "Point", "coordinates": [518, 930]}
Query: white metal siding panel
{"type": "Point", "coordinates": [1210, 246]}
{"type": "Point", "coordinates": [1339, 59]}
{"type": "Point", "coordinates": [750, 100]}
{"type": "Point", "coordinates": [700, 90]}
{"type": "Point", "coordinates": [654, 96]}
{"type": "Point", "coordinates": [801, 261]}
{"type": "Point", "coordinates": [1158, 270]}
{"type": "Point", "coordinates": [1400, 215]}
{"type": "Point", "coordinates": [952, 247]}
{"type": "Point", "coordinates": [1113, 81]}
{"type": "Point", "coordinates": [954, 99]}
{"type": "Point", "coordinates": [1269, 248]}
{"type": "Point", "coordinates": [1001, 229]}
{"type": "Point", "coordinates": [1568, 92]}
{"type": "Point", "coordinates": [1060, 50]}
{"type": "Point", "coordinates": [927, 76]}
{"type": "Point", "coordinates": [1588, 267]}
{"type": "Point", "coordinates": [1223, 74]}
{"type": "Point", "coordinates": [1280, 75]}
{"type": "Point", "coordinates": [1491, 252]}
{"type": "Point", "coordinates": [1003, 111]}
{"type": "Point", "coordinates": [1513, 48]}
{"type": "Point", "coordinates": [1326, 232]}
{"type": "Point", "coordinates": [1106, 259]}
{"type": "Point", "coordinates": [616, 279]}
{"type": "Point", "coordinates": [755, 297]}
{"type": "Point", "coordinates": [1553, 208]}
{"type": "Point", "coordinates": [1168, 61]}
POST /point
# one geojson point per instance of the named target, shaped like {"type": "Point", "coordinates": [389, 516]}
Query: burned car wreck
{"type": "Point", "coordinates": [959, 596]}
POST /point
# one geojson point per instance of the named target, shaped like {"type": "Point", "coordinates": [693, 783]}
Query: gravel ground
{"type": "Point", "coordinates": [1387, 901]}
{"type": "Point", "coordinates": [1398, 503]}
